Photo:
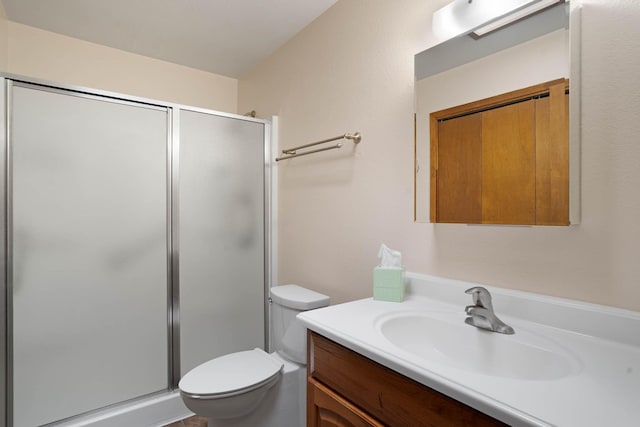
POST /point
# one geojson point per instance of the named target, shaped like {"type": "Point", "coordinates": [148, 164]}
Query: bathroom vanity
{"type": "Point", "coordinates": [416, 363]}
{"type": "Point", "coordinates": [342, 381]}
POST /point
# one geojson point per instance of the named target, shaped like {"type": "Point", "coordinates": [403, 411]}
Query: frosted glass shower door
{"type": "Point", "coordinates": [222, 262]}
{"type": "Point", "coordinates": [89, 263]}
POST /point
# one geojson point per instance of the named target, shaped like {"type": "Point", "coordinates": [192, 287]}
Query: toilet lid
{"type": "Point", "coordinates": [298, 298]}
{"type": "Point", "coordinates": [231, 373]}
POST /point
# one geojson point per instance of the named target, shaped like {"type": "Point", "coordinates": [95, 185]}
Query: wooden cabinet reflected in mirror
{"type": "Point", "coordinates": [503, 160]}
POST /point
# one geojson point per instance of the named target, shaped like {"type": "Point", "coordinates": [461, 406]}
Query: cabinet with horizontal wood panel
{"type": "Point", "coordinates": [329, 409]}
{"type": "Point", "coordinates": [347, 389]}
{"type": "Point", "coordinates": [503, 160]}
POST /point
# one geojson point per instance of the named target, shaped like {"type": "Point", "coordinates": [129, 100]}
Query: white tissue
{"type": "Point", "coordinates": [389, 258]}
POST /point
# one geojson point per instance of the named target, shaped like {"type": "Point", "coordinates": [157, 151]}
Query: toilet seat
{"type": "Point", "coordinates": [231, 374]}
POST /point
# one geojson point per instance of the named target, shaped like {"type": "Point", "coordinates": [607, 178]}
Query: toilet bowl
{"type": "Point", "coordinates": [252, 388]}
{"type": "Point", "coordinates": [230, 386]}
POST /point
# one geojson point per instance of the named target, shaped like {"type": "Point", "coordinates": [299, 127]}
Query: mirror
{"type": "Point", "coordinates": [540, 48]}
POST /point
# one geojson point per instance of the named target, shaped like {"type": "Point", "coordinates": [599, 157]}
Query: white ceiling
{"type": "Point", "coordinates": [226, 37]}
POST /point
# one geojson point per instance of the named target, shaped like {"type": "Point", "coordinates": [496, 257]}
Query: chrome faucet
{"type": "Point", "coordinates": [481, 314]}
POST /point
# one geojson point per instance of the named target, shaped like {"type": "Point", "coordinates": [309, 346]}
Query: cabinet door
{"type": "Point", "coordinates": [459, 189]}
{"type": "Point", "coordinates": [509, 164]}
{"type": "Point", "coordinates": [328, 409]}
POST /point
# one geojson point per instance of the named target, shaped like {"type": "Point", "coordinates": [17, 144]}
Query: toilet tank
{"type": "Point", "coordinates": [288, 335]}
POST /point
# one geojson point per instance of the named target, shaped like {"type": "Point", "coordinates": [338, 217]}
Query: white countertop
{"type": "Point", "coordinates": [602, 345]}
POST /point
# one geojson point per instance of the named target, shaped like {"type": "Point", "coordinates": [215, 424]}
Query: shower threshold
{"type": "Point", "coordinates": [153, 411]}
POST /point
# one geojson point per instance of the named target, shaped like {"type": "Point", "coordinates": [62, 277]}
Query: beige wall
{"type": "Point", "coordinates": [45, 55]}
{"type": "Point", "coordinates": [352, 70]}
{"type": "Point", "coordinates": [3, 39]}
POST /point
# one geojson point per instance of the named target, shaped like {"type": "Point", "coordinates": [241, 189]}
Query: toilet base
{"type": "Point", "coordinates": [283, 406]}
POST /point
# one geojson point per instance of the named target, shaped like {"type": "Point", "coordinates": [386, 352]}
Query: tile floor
{"type": "Point", "coordinates": [190, 422]}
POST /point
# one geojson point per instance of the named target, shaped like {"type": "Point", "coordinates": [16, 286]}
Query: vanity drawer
{"type": "Point", "coordinates": [386, 395]}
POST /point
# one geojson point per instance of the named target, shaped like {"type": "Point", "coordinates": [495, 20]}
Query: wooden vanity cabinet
{"type": "Point", "coordinates": [346, 389]}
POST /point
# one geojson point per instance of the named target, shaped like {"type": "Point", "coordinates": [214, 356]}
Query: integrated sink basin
{"type": "Point", "coordinates": [569, 363]}
{"type": "Point", "coordinates": [443, 337]}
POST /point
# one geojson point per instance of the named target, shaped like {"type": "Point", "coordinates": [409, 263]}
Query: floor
{"type": "Point", "coordinates": [190, 422]}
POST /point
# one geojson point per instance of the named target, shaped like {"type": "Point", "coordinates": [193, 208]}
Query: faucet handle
{"type": "Point", "coordinates": [481, 296]}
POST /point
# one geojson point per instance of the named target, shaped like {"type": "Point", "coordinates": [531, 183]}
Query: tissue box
{"type": "Point", "coordinates": [388, 284]}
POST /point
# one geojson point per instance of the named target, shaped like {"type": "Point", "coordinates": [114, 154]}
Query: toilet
{"type": "Point", "coordinates": [253, 388]}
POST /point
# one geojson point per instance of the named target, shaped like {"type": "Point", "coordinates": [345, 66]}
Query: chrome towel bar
{"type": "Point", "coordinates": [292, 152]}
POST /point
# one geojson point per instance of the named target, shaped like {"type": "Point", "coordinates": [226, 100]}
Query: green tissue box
{"type": "Point", "coordinates": [388, 284]}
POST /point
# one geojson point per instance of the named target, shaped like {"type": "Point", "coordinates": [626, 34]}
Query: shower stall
{"type": "Point", "coordinates": [135, 240]}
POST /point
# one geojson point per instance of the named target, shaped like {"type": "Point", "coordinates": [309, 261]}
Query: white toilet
{"type": "Point", "coordinates": [252, 388]}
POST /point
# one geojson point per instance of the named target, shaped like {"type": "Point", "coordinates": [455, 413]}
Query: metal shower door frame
{"type": "Point", "coordinates": [7, 81]}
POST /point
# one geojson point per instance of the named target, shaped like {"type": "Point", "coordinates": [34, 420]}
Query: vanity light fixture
{"type": "Point", "coordinates": [465, 16]}
{"type": "Point", "coordinates": [514, 17]}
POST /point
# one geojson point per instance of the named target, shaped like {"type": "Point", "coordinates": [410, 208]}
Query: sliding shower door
{"type": "Point", "coordinates": [222, 238]}
{"type": "Point", "coordinates": [88, 260]}
{"type": "Point", "coordinates": [136, 247]}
